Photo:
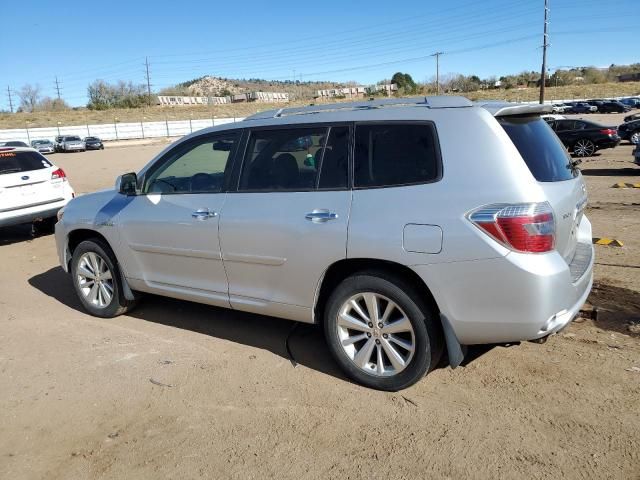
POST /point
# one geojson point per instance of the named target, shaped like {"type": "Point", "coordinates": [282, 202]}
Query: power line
{"type": "Point", "coordinates": [545, 44]}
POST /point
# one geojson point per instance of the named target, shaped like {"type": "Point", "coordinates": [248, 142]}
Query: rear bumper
{"type": "Point", "coordinates": [612, 143]}
{"type": "Point", "coordinates": [19, 217]}
{"type": "Point", "coordinates": [40, 211]}
{"type": "Point", "coordinates": [512, 298]}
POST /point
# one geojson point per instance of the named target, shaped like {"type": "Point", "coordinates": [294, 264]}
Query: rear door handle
{"type": "Point", "coordinates": [321, 216]}
{"type": "Point", "coordinates": [204, 214]}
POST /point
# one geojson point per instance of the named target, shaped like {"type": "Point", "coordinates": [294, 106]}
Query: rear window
{"type": "Point", "coordinates": [14, 162]}
{"type": "Point", "coordinates": [72, 139]}
{"type": "Point", "coordinates": [395, 154]}
{"type": "Point", "coordinates": [540, 148]}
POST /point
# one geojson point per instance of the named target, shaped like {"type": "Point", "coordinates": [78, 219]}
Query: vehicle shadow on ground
{"type": "Point", "coordinates": [19, 234]}
{"type": "Point", "coordinates": [618, 308]}
{"type": "Point", "coordinates": [610, 172]}
{"type": "Point", "coordinates": [298, 343]}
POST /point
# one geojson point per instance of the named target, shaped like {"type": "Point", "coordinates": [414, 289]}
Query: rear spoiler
{"type": "Point", "coordinates": [503, 109]}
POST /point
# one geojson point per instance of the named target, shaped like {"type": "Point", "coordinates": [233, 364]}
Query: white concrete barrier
{"type": "Point", "coordinates": [116, 131]}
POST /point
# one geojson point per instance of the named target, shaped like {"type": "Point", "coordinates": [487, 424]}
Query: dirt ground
{"type": "Point", "coordinates": [180, 390]}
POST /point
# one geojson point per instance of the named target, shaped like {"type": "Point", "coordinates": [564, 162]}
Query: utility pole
{"type": "Point", "coordinates": [146, 64]}
{"type": "Point", "coordinates": [58, 87]}
{"type": "Point", "coordinates": [545, 44]}
{"type": "Point", "coordinates": [437, 55]}
{"type": "Point", "coordinates": [10, 100]}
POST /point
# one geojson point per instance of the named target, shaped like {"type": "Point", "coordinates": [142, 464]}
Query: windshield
{"type": "Point", "coordinates": [540, 148]}
{"type": "Point", "coordinates": [13, 162]}
{"type": "Point", "coordinates": [72, 139]}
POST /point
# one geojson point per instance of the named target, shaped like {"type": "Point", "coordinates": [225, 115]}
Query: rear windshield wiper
{"type": "Point", "coordinates": [573, 164]}
{"type": "Point", "coordinates": [11, 170]}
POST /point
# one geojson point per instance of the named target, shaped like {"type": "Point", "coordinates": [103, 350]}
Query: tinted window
{"type": "Point", "coordinates": [197, 167]}
{"type": "Point", "coordinates": [13, 162]}
{"type": "Point", "coordinates": [564, 125]}
{"type": "Point", "coordinates": [387, 155]}
{"type": "Point", "coordinates": [335, 159]}
{"type": "Point", "coordinates": [72, 139]}
{"type": "Point", "coordinates": [540, 148]}
{"type": "Point", "coordinates": [283, 159]}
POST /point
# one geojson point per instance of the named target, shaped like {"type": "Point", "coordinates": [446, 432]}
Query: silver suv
{"type": "Point", "coordinates": [407, 228]}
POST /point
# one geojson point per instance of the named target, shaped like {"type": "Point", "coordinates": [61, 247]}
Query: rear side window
{"type": "Point", "coordinates": [13, 162]}
{"type": "Point", "coordinates": [335, 159]}
{"type": "Point", "coordinates": [540, 148]}
{"type": "Point", "coordinates": [283, 159]}
{"type": "Point", "coordinates": [395, 154]}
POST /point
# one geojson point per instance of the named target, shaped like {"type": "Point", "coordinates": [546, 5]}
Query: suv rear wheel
{"type": "Point", "coordinates": [380, 332]}
{"type": "Point", "coordinates": [97, 281]}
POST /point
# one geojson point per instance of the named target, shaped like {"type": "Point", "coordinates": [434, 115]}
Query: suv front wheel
{"type": "Point", "coordinates": [380, 332]}
{"type": "Point", "coordinates": [97, 281]}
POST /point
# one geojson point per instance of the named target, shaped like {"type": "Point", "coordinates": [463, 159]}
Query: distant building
{"type": "Point", "coordinates": [265, 97]}
{"type": "Point", "coordinates": [629, 77]}
{"type": "Point", "coordinates": [355, 92]}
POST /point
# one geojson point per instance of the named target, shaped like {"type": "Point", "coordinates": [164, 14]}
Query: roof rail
{"type": "Point", "coordinates": [442, 101]}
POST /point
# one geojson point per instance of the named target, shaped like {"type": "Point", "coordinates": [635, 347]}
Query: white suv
{"type": "Point", "coordinates": [406, 228]}
{"type": "Point", "coordinates": [31, 187]}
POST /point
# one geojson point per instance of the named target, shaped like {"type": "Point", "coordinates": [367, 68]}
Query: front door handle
{"type": "Point", "coordinates": [204, 214]}
{"type": "Point", "coordinates": [321, 216]}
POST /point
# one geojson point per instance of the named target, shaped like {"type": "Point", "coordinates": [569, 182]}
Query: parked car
{"type": "Point", "coordinates": [43, 146]}
{"type": "Point", "coordinates": [71, 143]}
{"type": "Point", "coordinates": [93, 143]}
{"type": "Point", "coordinates": [32, 189]}
{"type": "Point", "coordinates": [631, 102]}
{"type": "Point", "coordinates": [583, 107]}
{"type": "Point", "coordinates": [386, 239]}
{"type": "Point", "coordinates": [636, 155]}
{"type": "Point", "coordinates": [13, 143]}
{"type": "Point", "coordinates": [560, 108]}
{"type": "Point", "coordinates": [630, 131]}
{"type": "Point", "coordinates": [612, 106]}
{"type": "Point", "coordinates": [632, 117]}
{"type": "Point", "coordinates": [583, 138]}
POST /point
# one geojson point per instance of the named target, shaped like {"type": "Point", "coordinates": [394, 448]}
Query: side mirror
{"type": "Point", "coordinates": [127, 184]}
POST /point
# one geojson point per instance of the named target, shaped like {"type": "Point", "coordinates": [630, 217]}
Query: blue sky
{"type": "Point", "coordinates": [361, 41]}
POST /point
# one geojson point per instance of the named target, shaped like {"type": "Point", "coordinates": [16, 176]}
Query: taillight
{"type": "Point", "coordinates": [609, 131]}
{"type": "Point", "coordinates": [524, 227]}
{"type": "Point", "coordinates": [59, 173]}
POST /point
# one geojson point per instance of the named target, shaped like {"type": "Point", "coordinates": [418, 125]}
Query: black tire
{"type": "Point", "coordinates": [427, 330]}
{"type": "Point", "coordinates": [45, 226]}
{"type": "Point", "coordinates": [119, 304]}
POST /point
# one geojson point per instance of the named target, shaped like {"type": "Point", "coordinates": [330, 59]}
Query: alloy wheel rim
{"type": "Point", "coordinates": [584, 148]}
{"type": "Point", "coordinates": [95, 280]}
{"type": "Point", "coordinates": [375, 334]}
{"type": "Point", "coordinates": [635, 138]}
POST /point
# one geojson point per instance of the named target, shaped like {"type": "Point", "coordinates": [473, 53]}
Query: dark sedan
{"type": "Point", "coordinates": [630, 131]}
{"type": "Point", "coordinates": [581, 107]}
{"type": "Point", "coordinates": [93, 143]}
{"type": "Point", "coordinates": [584, 138]}
{"type": "Point", "coordinates": [13, 143]}
{"type": "Point", "coordinates": [612, 106]}
{"type": "Point", "coordinates": [632, 117]}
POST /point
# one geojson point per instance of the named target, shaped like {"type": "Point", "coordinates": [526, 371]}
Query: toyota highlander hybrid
{"type": "Point", "coordinates": [376, 220]}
